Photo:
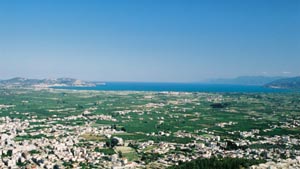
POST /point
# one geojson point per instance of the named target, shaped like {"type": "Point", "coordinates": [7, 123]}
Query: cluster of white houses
{"type": "Point", "coordinates": [52, 145]}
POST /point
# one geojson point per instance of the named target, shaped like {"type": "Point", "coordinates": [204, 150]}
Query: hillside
{"type": "Point", "coordinates": [286, 83]}
{"type": "Point", "coordinates": [24, 82]}
{"type": "Point", "coordinates": [246, 80]}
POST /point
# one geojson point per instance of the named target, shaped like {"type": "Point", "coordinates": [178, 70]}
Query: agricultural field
{"type": "Point", "coordinates": [109, 128]}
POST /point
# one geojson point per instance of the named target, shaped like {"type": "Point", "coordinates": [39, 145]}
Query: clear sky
{"type": "Point", "coordinates": [149, 40]}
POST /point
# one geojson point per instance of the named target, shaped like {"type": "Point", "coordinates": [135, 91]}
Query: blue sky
{"type": "Point", "coordinates": [149, 40]}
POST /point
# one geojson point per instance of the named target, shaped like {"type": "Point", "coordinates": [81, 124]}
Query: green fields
{"type": "Point", "coordinates": [147, 113]}
{"type": "Point", "coordinates": [154, 126]}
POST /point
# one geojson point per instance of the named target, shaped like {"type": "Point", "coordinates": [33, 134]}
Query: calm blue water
{"type": "Point", "coordinates": [179, 87]}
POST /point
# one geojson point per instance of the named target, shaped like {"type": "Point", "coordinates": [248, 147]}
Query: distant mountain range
{"type": "Point", "coordinates": [271, 82]}
{"type": "Point", "coordinates": [44, 83]}
{"type": "Point", "coordinates": [285, 83]}
{"type": "Point", "coordinates": [246, 80]}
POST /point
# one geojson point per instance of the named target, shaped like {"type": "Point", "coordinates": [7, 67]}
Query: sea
{"type": "Point", "coordinates": [177, 87]}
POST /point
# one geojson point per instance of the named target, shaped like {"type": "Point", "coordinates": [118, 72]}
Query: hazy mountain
{"type": "Point", "coordinates": [24, 82]}
{"type": "Point", "coordinates": [246, 80]}
{"type": "Point", "coordinates": [285, 83]}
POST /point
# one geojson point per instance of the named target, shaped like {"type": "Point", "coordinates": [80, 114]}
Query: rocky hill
{"type": "Point", "coordinates": [246, 80]}
{"type": "Point", "coordinates": [286, 83]}
{"type": "Point", "coordinates": [24, 82]}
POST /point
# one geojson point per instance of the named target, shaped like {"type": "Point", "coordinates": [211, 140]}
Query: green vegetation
{"type": "Point", "coordinates": [108, 151]}
{"type": "Point", "coordinates": [34, 152]}
{"type": "Point", "coordinates": [127, 152]}
{"type": "Point", "coordinates": [29, 137]}
{"type": "Point", "coordinates": [150, 157]}
{"type": "Point", "coordinates": [215, 163]}
{"type": "Point", "coordinates": [186, 121]}
{"type": "Point", "coordinates": [185, 112]}
{"type": "Point", "coordinates": [91, 137]}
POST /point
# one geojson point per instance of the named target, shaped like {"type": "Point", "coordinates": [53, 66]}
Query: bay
{"type": "Point", "coordinates": [176, 87]}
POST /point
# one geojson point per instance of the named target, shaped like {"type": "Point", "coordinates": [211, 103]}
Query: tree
{"type": "Point", "coordinates": [120, 154]}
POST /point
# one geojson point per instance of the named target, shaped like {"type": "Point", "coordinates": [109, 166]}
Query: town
{"type": "Point", "coordinates": [50, 128]}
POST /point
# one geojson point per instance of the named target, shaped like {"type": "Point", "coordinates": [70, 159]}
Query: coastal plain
{"type": "Point", "coordinates": [51, 128]}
